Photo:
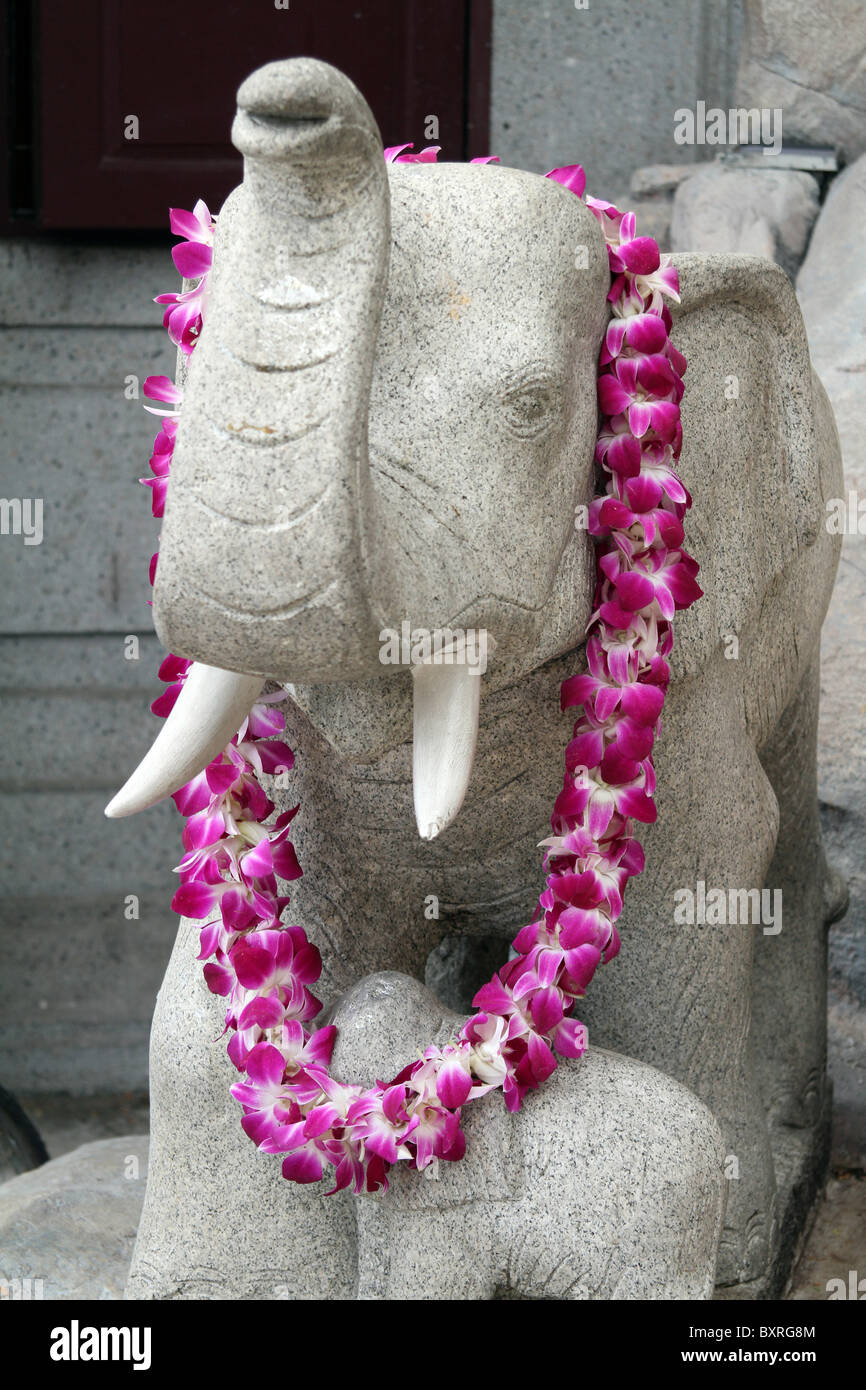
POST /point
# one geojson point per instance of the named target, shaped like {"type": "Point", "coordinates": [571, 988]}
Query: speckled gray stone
{"type": "Point", "coordinates": [461, 317]}
{"type": "Point", "coordinates": [656, 180]}
{"type": "Point", "coordinates": [75, 1016]}
{"type": "Point", "coordinates": [597, 83]}
{"type": "Point", "coordinates": [808, 60]}
{"type": "Point", "coordinates": [88, 574]}
{"type": "Point", "coordinates": [68, 1227]}
{"type": "Point", "coordinates": [651, 198]}
{"type": "Point", "coordinates": [78, 320]}
{"type": "Point", "coordinates": [832, 291]}
{"type": "Point", "coordinates": [56, 283]}
{"type": "Point", "coordinates": [606, 1185]}
{"type": "Point", "coordinates": [333, 546]}
{"type": "Point", "coordinates": [762, 212]}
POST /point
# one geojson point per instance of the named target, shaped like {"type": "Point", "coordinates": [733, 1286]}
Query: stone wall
{"type": "Point", "coordinates": [79, 976]}
{"type": "Point", "coordinates": [809, 60]}
{"type": "Point", "coordinates": [601, 84]}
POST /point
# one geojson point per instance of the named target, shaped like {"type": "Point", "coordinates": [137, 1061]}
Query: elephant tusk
{"type": "Point", "coordinates": [209, 711]}
{"type": "Point", "coordinates": [445, 708]}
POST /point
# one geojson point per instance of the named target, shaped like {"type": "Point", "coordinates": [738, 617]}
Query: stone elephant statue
{"type": "Point", "coordinates": [390, 417]}
{"type": "Point", "coordinates": [521, 1217]}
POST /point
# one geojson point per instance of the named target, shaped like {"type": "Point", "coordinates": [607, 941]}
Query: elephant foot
{"type": "Point", "coordinates": [748, 1238]}
{"type": "Point", "coordinates": [607, 1184]}
{"type": "Point", "coordinates": [219, 1221]}
{"type": "Point", "coordinates": [746, 1248]}
{"type": "Point", "coordinates": [798, 1104]}
{"type": "Point", "coordinates": [835, 895]}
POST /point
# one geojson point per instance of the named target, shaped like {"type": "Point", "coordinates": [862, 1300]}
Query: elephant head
{"type": "Point", "coordinates": [389, 418]}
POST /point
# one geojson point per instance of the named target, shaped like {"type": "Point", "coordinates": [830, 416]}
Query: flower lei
{"type": "Point", "coordinates": [235, 854]}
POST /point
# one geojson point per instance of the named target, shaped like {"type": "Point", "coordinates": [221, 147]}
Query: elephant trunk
{"type": "Point", "coordinates": [260, 567]}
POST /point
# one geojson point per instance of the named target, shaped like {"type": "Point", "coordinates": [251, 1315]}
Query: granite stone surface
{"type": "Point", "coordinates": [536, 1210]}
{"type": "Point", "coordinates": [481, 423]}
{"type": "Point", "coordinates": [595, 83]}
{"type": "Point", "coordinates": [808, 61]}
{"type": "Point", "coordinates": [832, 291]}
{"type": "Point", "coordinates": [68, 1227]}
{"type": "Point", "coordinates": [759, 212]}
{"type": "Point", "coordinates": [75, 1014]}
{"type": "Point", "coordinates": [80, 332]}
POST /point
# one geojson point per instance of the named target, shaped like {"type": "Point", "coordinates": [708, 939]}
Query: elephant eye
{"type": "Point", "coordinates": [530, 404]}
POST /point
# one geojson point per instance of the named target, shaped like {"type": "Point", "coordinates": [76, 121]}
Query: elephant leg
{"type": "Point", "coordinates": [679, 993]}
{"type": "Point", "coordinates": [430, 1235]}
{"type": "Point", "coordinates": [219, 1221]}
{"type": "Point", "coordinates": [790, 988]}
{"type": "Point", "coordinates": [410, 1246]}
{"type": "Point", "coordinates": [607, 1184]}
{"type": "Point", "coordinates": [623, 1187]}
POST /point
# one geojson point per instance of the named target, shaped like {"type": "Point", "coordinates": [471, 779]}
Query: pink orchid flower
{"type": "Point", "coordinates": [394, 154]}
{"type": "Point", "coordinates": [571, 176]}
{"type": "Point", "coordinates": [489, 1034]}
{"type": "Point", "coordinates": [437, 1133]}
{"type": "Point", "coordinates": [659, 581]}
{"type": "Point", "coordinates": [637, 512]}
{"type": "Point", "coordinates": [194, 255]}
{"type": "Point", "coordinates": [646, 390]}
{"type": "Point", "coordinates": [631, 689]}
{"type": "Point", "coordinates": [271, 1113]}
{"type": "Point", "coordinates": [591, 796]}
{"type": "Point", "coordinates": [381, 1118]}
{"type": "Point", "coordinates": [162, 388]}
{"type": "Point", "coordinates": [160, 465]}
{"type": "Point", "coordinates": [273, 967]}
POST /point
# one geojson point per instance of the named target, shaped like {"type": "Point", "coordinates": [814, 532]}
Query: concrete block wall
{"type": "Point", "coordinates": [78, 972]}
{"type": "Point", "coordinates": [600, 84]}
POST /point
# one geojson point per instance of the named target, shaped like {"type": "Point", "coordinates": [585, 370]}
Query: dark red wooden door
{"type": "Point", "coordinates": [131, 101]}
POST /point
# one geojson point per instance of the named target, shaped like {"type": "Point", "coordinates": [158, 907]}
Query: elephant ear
{"type": "Point", "coordinates": [751, 456]}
